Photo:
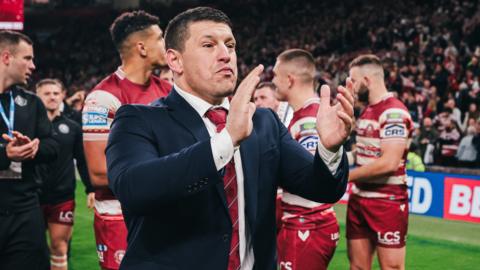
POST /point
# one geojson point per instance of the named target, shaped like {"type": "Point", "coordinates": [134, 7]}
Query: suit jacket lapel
{"type": "Point", "coordinates": [191, 121]}
{"type": "Point", "coordinates": [250, 163]}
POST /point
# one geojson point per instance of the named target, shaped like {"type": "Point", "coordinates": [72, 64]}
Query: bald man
{"type": "Point", "coordinates": [309, 231]}
{"type": "Point", "coordinates": [377, 216]}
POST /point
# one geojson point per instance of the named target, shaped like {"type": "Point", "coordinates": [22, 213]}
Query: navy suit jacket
{"type": "Point", "coordinates": [161, 168]}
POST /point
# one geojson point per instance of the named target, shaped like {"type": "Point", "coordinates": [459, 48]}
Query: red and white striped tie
{"type": "Point", "coordinates": [218, 116]}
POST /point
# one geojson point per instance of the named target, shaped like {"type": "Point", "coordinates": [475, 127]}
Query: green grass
{"type": "Point", "coordinates": [432, 243]}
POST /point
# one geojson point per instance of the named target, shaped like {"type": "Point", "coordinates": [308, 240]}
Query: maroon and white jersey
{"type": "Point", "coordinates": [99, 110]}
{"type": "Point", "coordinates": [387, 120]}
{"type": "Point", "coordinates": [303, 128]}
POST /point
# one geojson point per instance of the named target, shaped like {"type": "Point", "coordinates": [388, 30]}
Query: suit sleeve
{"type": "Point", "coordinates": [309, 179]}
{"type": "Point", "coordinates": [141, 178]}
{"type": "Point", "coordinates": [79, 156]}
{"type": "Point", "coordinates": [48, 148]}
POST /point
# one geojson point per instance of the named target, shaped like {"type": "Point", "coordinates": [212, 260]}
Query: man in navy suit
{"type": "Point", "coordinates": [198, 188]}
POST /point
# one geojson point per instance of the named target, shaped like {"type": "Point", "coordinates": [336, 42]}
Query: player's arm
{"type": "Point", "coordinates": [96, 162]}
{"type": "Point", "coordinates": [96, 119]}
{"type": "Point", "coordinates": [386, 165]}
{"type": "Point", "coordinates": [79, 156]}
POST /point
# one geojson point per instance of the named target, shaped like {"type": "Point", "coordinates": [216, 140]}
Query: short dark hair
{"type": "Point", "coordinates": [366, 59]}
{"type": "Point", "coordinates": [293, 54]}
{"type": "Point", "coordinates": [266, 84]}
{"type": "Point", "coordinates": [128, 23]}
{"type": "Point", "coordinates": [48, 81]}
{"type": "Point", "coordinates": [12, 39]}
{"type": "Point", "coordinates": [176, 32]}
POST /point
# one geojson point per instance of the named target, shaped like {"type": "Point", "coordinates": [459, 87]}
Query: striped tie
{"type": "Point", "coordinates": [218, 116]}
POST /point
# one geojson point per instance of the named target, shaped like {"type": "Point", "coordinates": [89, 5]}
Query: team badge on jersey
{"type": "Point", "coordinates": [63, 128]}
{"type": "Point", "coordinates": [20, 101]}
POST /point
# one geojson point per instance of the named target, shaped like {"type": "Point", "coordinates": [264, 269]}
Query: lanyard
{"type": "Point", "coordinates": [9, 121]}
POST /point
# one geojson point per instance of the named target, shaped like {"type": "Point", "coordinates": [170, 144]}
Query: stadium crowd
{"type": "Point", "coordinates": [430, 49]}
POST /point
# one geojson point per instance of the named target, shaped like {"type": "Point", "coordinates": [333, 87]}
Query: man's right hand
{"type": "Point", "coordinates": [239, 121]}
{"type": "Point", "coordinates": [20, 147]}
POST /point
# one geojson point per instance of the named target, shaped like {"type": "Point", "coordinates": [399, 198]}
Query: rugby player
{"type": "Point", "coordinates": [309, 231]}
{"type": "Point", "coordinates": [139, 41]}
{"type": "Point", "coordinates": [377, 215]}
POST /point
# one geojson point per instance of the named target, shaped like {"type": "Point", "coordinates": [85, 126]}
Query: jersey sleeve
{"type": "Point", "coordinates": [304, 131]}
{"type": "Point", "coordinates": [395, 125]}
{"type": "Point", "coordinates": [97, 115]}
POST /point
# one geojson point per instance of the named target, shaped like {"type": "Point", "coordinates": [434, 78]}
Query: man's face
{"type": "Point", "coordinates": [209, 60]}
{"type": "Point", "coordinates": [51, 96]}
{"type": "Point", "coordinates": [427, 123]}
{"type": "Point", "coordinates": [20, 66]}
{"type": "Point", "coordinates": [167, 75]}
{"type": "Point", "coordinates": [359, 87]}
{"type": "Point", "coordinates": [265, 98]}
{"type": "Point", "coordinates": [280, 79]}
{"type": "Point", "coordinates": [155, 46]}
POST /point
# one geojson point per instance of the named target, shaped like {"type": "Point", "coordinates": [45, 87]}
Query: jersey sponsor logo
{"type": "Point", "coordinates": [389, 238]}
{"type": "Point", "coordinates": [66, 216]}
{"type": "Point", "coordinates": [20, 101]}
{"type": "Point", "coordinates": [308, 126]}
{"type": "Point", "coordinates": [394, 131]}
{"type": "Point", "coordinates": [95, 116]}
{"type": "Point", "coordinates": [310, 142]}
{"type": "Point", "coordinates": [394, 117]}
{"type": "Point", "coordinates": [118, 256]}
{"type": "Point", "coordinates": [63, 128]}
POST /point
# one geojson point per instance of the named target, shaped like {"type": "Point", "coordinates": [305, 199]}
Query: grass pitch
{"type": "Point", "coordinates": [432, 243]}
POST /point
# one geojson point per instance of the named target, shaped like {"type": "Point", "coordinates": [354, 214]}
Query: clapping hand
{"type": "Point", "coordinates": [334, 122]}
{"type": "Point", "coordinates": [20, 147]}
{"type": "Point", "coordinates": [239, 121]}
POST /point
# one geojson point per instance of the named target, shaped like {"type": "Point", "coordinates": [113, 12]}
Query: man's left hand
{"type": "Point", "coordinates": [334, 122]}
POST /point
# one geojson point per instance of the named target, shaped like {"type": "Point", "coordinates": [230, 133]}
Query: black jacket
{"type": "Point", "coordinates": [58, 177]}
{"type": "Point", "coordinates": [21, 193]}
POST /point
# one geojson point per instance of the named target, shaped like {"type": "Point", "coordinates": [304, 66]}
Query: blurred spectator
{"type": "Point", "coordinates": [427, 139]}
{"type": "Point", "coordinates": [414, 161]}
{"type": "Point", "coordinates": [166, 74]}
{"type": "Point", "coordinates": [467, 154]}
{"type": "Point", "coordinates": [448, 141]}
{"type": "Point", "coordinates": [264, 96]}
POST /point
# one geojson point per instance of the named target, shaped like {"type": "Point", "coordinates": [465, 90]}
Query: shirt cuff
{"type": "Point", "coordinates": [222, 148]}
{"type": "Point", "coordinates": [331, 159]}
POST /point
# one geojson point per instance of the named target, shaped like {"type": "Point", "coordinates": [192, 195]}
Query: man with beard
{"type": "Point", "coordinates": [26, 142]}
{"type": "Point", "coordinates": [139, 41]}
{"type": "Point", "coordinates": [309, 230]}
{"type": "Point", "coordinates": [377, 216]}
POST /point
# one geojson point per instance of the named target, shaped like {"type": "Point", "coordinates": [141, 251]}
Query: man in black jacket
{"type": "Point", "coordinates": [58, 178]}
{"type": "Point", "coordinates": [26, 142]}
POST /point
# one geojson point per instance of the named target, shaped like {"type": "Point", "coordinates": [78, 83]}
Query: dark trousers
{"type": "Point", "coordinates": [23, 244]}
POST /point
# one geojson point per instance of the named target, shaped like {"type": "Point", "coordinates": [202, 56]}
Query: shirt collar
{"type": "Point", "coordinates": [201, 106]}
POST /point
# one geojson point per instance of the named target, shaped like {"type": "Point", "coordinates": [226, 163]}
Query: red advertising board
{"type": "Point", "coordinates": [11, 14]}
{"type": "Point", "coordinates": [462, 199]}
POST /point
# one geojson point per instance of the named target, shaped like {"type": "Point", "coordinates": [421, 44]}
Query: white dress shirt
{"type": "Point", "coordinates": [223, 150]}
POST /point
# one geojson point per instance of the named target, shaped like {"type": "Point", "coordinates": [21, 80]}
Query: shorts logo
{"type": "Point", "coordinates": [402, 207]}
{"type": "Point", "coordinates": [118, 256]}
{"type": "Point", "coordinates": [100, 250]}
{"type": "Point", "coordinates": [63, 128]}
{"type": "Point", "coordinates": [335, 236]}
{"type": "Point", "coordinates": [309, 142]}
{"type": "Point", "coordinates": [303, 235]}
{"type": "Point", "coordinates": [394, 130]}
{"type": "Point", "coordinates": [389, 238]}
{"type": "Point", "coordinates": [66, 216]}
{"type": "Point", "coordinates": [95, 116]}
{"type": "Point", "coordinates": [286, 266]}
